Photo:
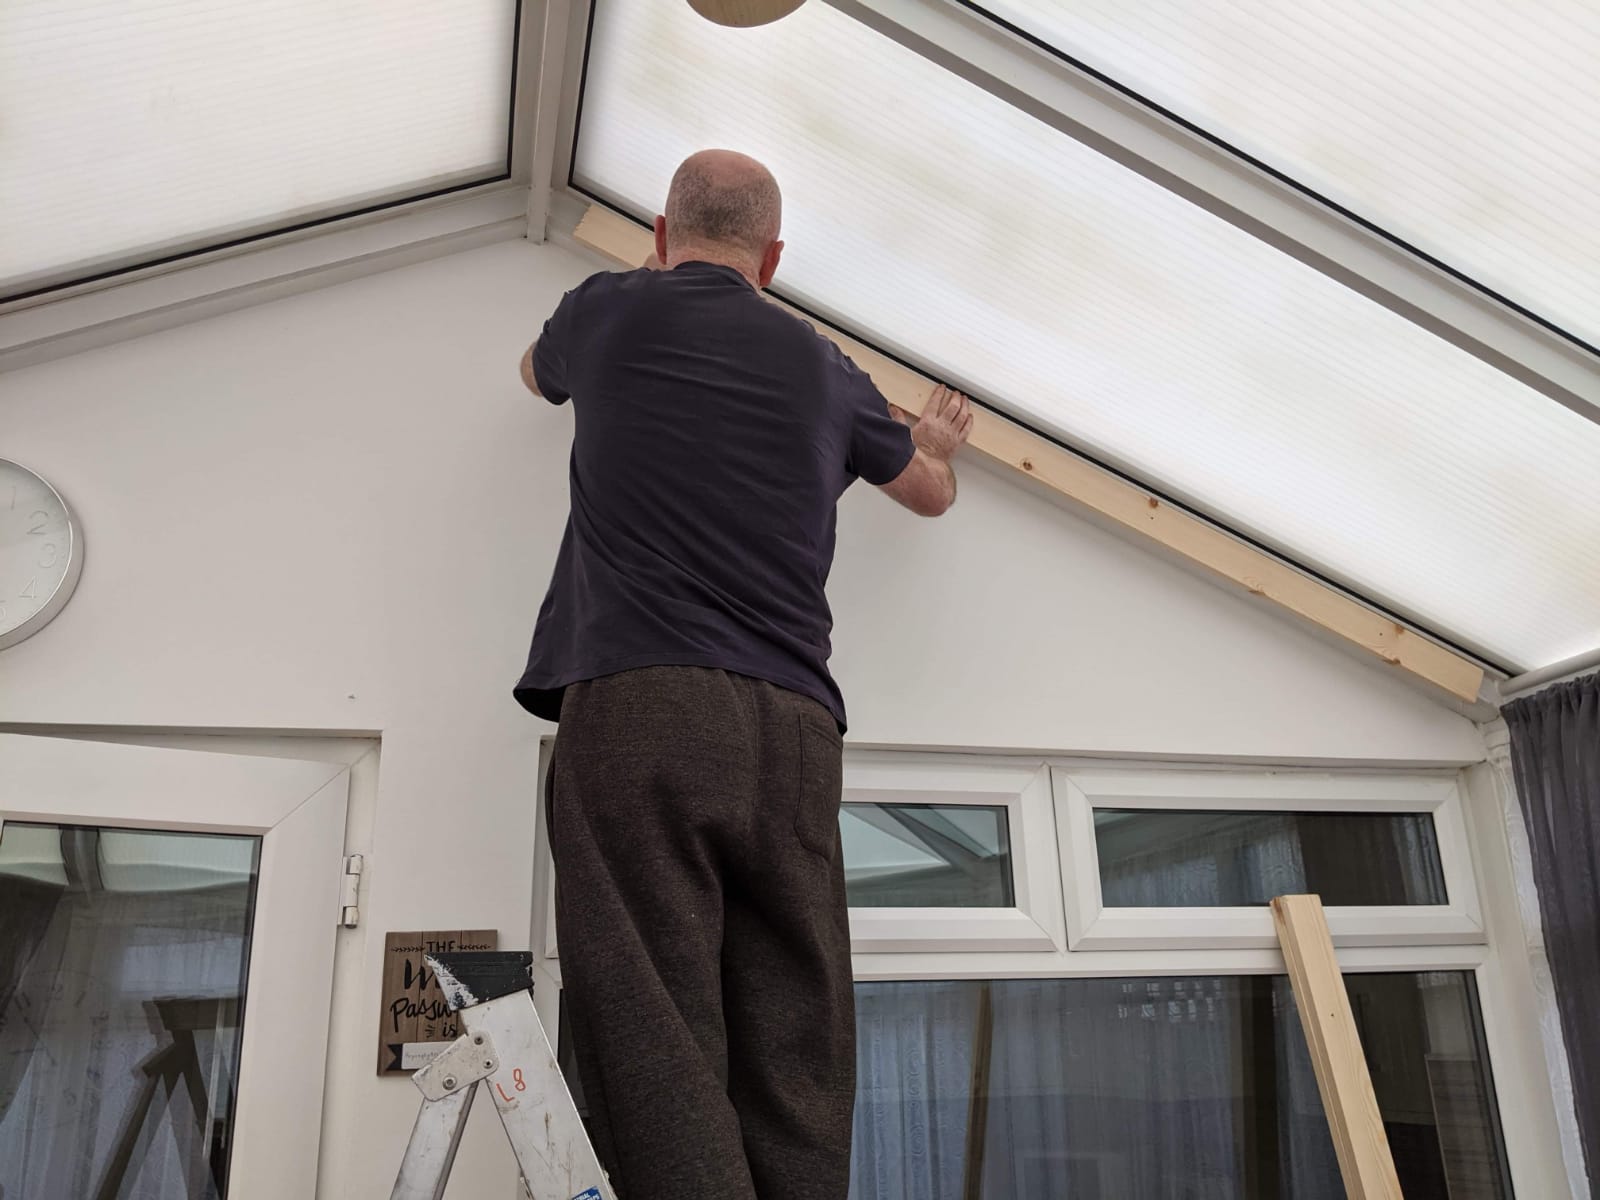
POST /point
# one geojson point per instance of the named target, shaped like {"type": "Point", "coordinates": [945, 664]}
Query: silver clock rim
{"type": "Point", "coordinates": [69, 581]}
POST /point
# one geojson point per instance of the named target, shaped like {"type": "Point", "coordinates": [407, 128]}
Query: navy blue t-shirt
{"type": "Point", "coordinates": [715, 433]}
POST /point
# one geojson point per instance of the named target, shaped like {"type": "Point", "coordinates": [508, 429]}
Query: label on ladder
{"type": "Point", "coordinates": [591, 1194]}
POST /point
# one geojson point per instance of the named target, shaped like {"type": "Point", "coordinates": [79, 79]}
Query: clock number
{"type": "Point", "coordinates": [48, 559]}
{"type": "Point", "coordinates": [28, 593]}
{"type": "Point", "coordinates": [43, 519]}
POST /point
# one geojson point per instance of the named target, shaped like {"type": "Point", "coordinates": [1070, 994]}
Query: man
{"type": "Point", "coordinates": [693, 800]}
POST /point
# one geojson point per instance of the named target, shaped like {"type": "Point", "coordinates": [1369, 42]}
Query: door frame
{"type": "Point", "coordinates": [298, 809]}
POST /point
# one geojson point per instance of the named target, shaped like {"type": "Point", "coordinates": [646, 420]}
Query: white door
{"type": "Point", "coordinates": [167, 925]}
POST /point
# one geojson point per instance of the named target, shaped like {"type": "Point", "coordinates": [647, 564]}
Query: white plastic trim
{"type": "Point", "coordinates": [224, 280]}
{"type": "Point", "coordinates": [1093, 926]}
{"type": "Point", "coordinates": [558, 56]}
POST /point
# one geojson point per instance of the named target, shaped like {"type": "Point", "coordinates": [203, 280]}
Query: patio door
{"type": "Point", "coordinates": [167, 928]}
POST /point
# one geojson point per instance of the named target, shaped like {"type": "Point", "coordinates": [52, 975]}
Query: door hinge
{"type": "Point", "coordinates": [350, 891]}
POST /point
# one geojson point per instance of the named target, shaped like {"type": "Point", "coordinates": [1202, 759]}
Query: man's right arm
{"type": "Point", "coordinates": [545, 366]}
{"type": "Point", "coordinates": [927, 486]}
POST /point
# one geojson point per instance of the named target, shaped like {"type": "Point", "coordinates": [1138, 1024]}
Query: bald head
{"type": "Point", "coordinates": [721, 201]}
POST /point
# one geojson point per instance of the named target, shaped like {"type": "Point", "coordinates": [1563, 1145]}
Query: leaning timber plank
{"type": "Point", "coordinates": [1347, 1097]}
{"type": "Point", "coordinates": [1115, 500]}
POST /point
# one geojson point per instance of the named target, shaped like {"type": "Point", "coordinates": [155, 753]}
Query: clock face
{"type": "Point", "coordinates": [40, 553]}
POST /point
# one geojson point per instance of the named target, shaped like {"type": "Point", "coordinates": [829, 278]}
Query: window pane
{"type": "Point", "coordinates": [1159, 1088]}
{"type": "Point", "coordinates": [139, 129]}
{"type": "Point", "coordinates": [122, 972]}
{"type": "Point", "coordinates": [1186, 859]}
{"type": "Point", "coordinates": [1473, 132]}
{"type": "Point", "coordinates": [940, 855]}
{"type": "Point", "coordinates": [1112, 312]}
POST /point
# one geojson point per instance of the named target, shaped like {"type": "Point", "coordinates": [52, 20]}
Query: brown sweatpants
{"type": "Point", "coordinates": [704, 941]}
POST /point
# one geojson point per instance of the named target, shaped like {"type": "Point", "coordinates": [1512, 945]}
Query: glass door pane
{"type": "Point", "coordinates": [122, 978]}
{"type": "Point", "coordinates": [1160, 1088]}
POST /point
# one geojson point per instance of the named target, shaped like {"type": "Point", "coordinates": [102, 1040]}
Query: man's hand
{"type": "Point", "coordinates": [945, 424]}
{"type": "Point", "coordinates": [928, 484]}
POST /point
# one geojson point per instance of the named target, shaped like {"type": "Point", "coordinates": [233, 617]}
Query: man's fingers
{"type": "Point", "coordinates": [949, 406]}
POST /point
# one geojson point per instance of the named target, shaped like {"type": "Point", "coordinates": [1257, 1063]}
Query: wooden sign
{"type": "Point", "coordinates": [414, 1023]}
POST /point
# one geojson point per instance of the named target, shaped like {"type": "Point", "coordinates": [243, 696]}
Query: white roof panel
{"type": "Point", "coordinates": [135, 129]}
{"type": "Point", "coordinates": [1103, 308]}
{"type": "Point", "coordinates": [1471, 131]}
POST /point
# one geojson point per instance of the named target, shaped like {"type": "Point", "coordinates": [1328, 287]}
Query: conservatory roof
{"type": "Point", "coordinates": [1324, 276]}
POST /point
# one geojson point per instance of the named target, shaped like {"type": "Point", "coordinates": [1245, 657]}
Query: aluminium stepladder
{"type": "Point", "coordinates": [504, 1047]}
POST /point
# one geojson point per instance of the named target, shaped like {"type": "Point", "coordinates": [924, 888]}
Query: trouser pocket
{"type": "Point", "coordinates": [816, 820]}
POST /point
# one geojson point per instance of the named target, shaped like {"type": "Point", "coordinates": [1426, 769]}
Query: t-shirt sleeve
{"type": "Point", "coordinates": [880, 446]}
{"type": "Point", "coordinates": [557, 346]}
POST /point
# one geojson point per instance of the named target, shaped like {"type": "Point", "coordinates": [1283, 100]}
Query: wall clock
{"type": "Point", "coordinates": [41, 553]}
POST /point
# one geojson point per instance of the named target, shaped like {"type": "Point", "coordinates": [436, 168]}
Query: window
{"type": "Point", "coordinates": [1103, 308]}
{"type": "Point", "coordinates": [1157, 1052]}
{"type": "Point", "coordinates": [1188, 858]}
{"type": "Point", "coordinates": [122, 980]}
{"type": "Point", "coordinates": [949, 856]}
{"type": "Point", "coordinates": [1158, 1087]}
{"type": "Point", "coordinates": [137, 131]}
{"type": "Point", "coordinates": [934, 855]}
{"type": "Point", "coordinates": [1198, 859]}
{"type": "Point", "coordinates": [940, 856]}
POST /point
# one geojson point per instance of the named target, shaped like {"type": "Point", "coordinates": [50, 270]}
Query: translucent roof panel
{"type": "Point", "coordinates": [1074, 292]}
{"type": "Point", "coordinates": [135, 129]}
{"type": "Point", "coordinates": [1471, 131]}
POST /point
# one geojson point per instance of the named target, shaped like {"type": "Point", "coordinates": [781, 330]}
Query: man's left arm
{"type": "Point", "coordinates": [529, 379]}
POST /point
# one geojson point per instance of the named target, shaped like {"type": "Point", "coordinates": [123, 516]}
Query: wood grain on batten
{"type": "Point", "coordinates": [1359, 1139]}
{"type": "Point", "coordinates": [1115, 500]}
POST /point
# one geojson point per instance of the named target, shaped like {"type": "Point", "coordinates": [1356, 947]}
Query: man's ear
{"type": "Point", "coordinates": [769, 262]}
{"type": "Point", "coordinates": [661, 240]}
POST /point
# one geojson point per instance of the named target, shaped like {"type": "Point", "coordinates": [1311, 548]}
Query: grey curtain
{"type": "Point", "coordinates": [1555, 751]}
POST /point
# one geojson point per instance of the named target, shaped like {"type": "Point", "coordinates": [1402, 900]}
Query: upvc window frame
{"type": "Point", "coordinates": [1092, 925]}
{"type": "Point", "coordinates": [1526, 1107]}
{"type": "Point", "coordinates": [1035, 923]}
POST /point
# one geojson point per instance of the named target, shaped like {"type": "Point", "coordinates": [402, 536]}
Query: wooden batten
{"type": "Point", "coordinates": [1114, 500]}
{"type": "Point", "coordinates": [1359, 1138]}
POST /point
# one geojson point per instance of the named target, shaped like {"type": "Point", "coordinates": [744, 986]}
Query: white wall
{"type": "Point", "coordinates": [338, 512]}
